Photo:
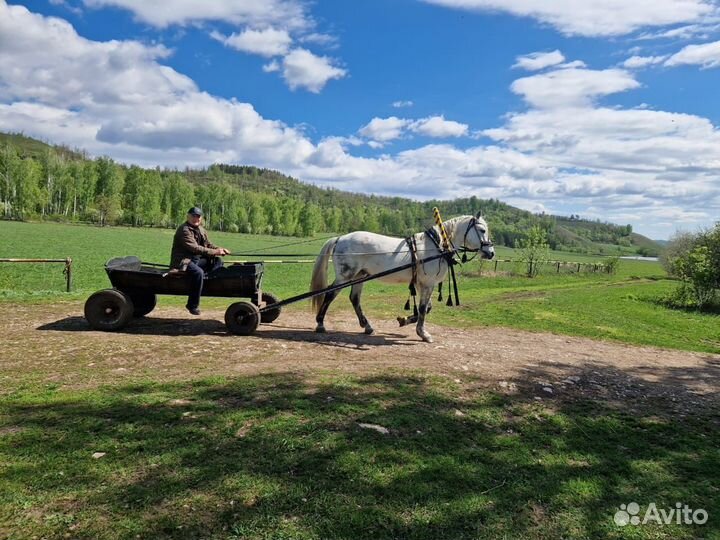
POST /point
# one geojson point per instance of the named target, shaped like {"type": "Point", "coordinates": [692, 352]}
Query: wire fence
{"type": "Point", "coordinates": [67, 270]}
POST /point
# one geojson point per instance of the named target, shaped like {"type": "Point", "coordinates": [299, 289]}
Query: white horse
{"type": "Point", "coordinates": [359, 254]}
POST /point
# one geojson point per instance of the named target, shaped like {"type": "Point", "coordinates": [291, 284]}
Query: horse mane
{"type": "Point", "coordinates": [451, 225]}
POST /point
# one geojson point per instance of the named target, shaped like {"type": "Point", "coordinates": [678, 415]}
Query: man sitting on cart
{"type": "Point", "coordinates": [194, 253]}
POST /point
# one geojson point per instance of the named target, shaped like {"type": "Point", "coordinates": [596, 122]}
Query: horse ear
{"type": "Point", "coordinates": [479, 214]}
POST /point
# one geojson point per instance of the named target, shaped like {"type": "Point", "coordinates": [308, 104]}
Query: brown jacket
{"type": "Point", "coordinates": [188, 242]}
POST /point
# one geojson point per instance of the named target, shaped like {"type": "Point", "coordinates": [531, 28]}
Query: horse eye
{"type": "Point", "coordinates": [482, 231]}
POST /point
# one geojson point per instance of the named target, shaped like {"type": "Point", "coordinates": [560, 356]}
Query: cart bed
{"type": "Point", "coordinates": [239, 280]}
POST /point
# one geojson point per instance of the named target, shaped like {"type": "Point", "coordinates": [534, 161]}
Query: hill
{"type": "Point", "coordinates": [42, 181]}
{"type": "Point", "coordinates": [34, 148]}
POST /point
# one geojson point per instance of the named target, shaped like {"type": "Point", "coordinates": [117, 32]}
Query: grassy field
{"type": "Point", "coordinates": [283, 455]}
{"type": "Point", "coordinates": [621, 307]}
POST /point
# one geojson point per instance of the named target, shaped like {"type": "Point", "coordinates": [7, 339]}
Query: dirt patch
{"type": "Point", "coordinates": [53, 345]}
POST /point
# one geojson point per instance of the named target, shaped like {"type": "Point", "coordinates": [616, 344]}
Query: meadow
{"type": "Point", "coordinates": [90, 448]}
{"type": "Point", "coordinates": [621, 307]}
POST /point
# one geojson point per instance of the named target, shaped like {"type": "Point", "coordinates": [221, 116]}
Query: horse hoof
{"type": "Point", "coordinates": [369, 330]}
{"type": "Point", "coordinates": [319, 329]}
{"type": "Point", "coordinates": [427, 338]}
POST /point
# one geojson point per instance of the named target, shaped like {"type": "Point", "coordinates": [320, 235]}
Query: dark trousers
{"type": "Point", "coordinates": [196, 271]}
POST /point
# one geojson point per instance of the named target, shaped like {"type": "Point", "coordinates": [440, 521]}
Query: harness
{"type": "Point", "coordinates": [446, 247]}
{"type": "Point", "coordinates": [412, 246]}
{"type": "Point", "coordinates": [483, 243]}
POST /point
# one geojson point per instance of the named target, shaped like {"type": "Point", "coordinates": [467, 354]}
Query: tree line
{"type": "Point", "coordinates": [59, 184]}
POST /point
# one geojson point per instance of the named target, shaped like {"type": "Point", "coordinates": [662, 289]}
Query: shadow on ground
{"type": "Point", "coordinates": [199, 327]}
{"type": "Point", "coordinates": [284, 456]}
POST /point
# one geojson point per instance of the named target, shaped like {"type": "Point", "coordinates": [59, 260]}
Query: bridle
{"type": "Point", "coordinates": [472, 224]}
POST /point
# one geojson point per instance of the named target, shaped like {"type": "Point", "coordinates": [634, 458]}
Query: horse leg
{"type": "Point", "coordinates": [320, 318]}
{"type": "Point", "coordinates": [425, 293]}
{"type": "Point", "coordinates": [355, 292]}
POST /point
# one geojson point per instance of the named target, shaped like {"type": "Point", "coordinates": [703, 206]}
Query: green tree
{"type": "Point", "coordinates": [108, 192]}
{"type": "Point", "coordinates": [310, 219]}
{"type": "Point", "coordinates": [132, 195]}
{"type": "Point", "coordinates": [534, 250]}
{"type": "Point", "coordinates": [699, 276]}
{"type": "Point", "coordinates": [10, 164]}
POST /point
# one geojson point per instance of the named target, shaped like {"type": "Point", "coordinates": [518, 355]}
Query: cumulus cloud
{"type": "Point", "coordinates": [303, 69]}
{"type": "Point", "coordinates": [539, 60]}
{"type": "Point", "coordinates": [437, 126]}
{"type": "Point", "coordinates": [706, 55]}
{"type": "Point", "coordinates": [636, 62]}
{"type": "Point", "coordinates": [268, 29]}
{"type": "Point", "coordinates": [119, 92]}
{"type": "Point", "coordinates": [384, 129]}
{"type": "Point", "coordinates": [621, 162]}
{"type": "Point", "coordinates": [566, 150]}
{"type": "Point", "coordinates": [267, 42]}
{"type": "Point", "coordinates": [572, 87]}
{"type": "Point", "coordinates": [288, 14]}
{"type": "Point", "coordinates": [593, 17]}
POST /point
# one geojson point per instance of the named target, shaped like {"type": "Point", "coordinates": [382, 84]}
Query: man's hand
{"type": "Point", "coordinates": [221, 251]}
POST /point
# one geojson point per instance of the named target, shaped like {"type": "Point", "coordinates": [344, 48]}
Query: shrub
{"type": "Point", "coordinates": [534, 250]}
{"type": "Point", "coordinates": [612, 264]}
{"type": "Point", "coordinates": [695, 259]}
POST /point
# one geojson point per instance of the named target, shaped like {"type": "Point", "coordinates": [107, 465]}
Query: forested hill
{"type": "Point", "coordinates": [39, 181]}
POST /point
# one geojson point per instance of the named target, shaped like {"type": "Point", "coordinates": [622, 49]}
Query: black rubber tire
{"type": "Point", "coordinates": [242, 318]}
{"type": "Point", "coordinates": [143, 302]}
{"type": "Point", "coordinates": [271, 314]}
{"type": "Point", "coordinates": [108, 310]}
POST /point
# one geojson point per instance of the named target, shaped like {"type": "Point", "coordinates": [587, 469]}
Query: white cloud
{"type": "Point", "coordinates": [654, 169]}
{"type": "Point", "coordinates": [636, 62]}
{"type": "Point", "coordinates": [706, 55]}
{"type": "Point", "coordinates": [401, 104]}
{"type": "Point", "coordinates": [266, 42]}
{"type": "Point", "coordinates": [384, 129]}
{"type": "Point", "coordinates": [116, 95]}
{"type": "Point", "coordinates": [303, 69]}
{"type": "Point", "coordinates": [437, 126]}
{"type": "Point", "coordinates": [289, 14]}
{"type": "Point", "coordinates": [539, 60]}
{"type": "Point", "coordinates": [271, 67]}
{"type": "Point", "coordinates": [572, 87]}
{"type": "Point", "coordinates": [626, 163]}
{"type": "Point", "coordinates": [269, 29]}
{"type": "Point", "coordinates": [593, 17]}
{"type": "Point", "coordinates": [323, 40]}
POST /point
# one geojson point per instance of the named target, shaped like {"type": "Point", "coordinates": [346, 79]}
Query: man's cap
{"type": "Point", "coordinates": [195, 211]}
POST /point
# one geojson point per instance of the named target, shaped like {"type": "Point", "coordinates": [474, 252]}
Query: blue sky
{"type": "Point", "coordinates": [603, 108]}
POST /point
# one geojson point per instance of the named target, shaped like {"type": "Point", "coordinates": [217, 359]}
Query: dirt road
{"type": "Point", "coordinates": [53, 344]}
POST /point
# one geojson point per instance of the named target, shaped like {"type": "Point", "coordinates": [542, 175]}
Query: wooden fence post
{"type": "Point", "coordinates": [68, 273]}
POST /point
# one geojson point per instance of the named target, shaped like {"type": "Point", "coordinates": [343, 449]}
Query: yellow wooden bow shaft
{"type": "Point", "coordinates": [443, 232]}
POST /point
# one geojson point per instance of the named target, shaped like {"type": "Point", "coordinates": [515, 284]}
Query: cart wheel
{"type": "Point", "coordinates": [242, 318]}
{"type": "Point", "coordinates": [271, 314]}
{"type": "Point", "coordinates": [143, 302]}
{"type": "Point", "coordinates": [108, 310]}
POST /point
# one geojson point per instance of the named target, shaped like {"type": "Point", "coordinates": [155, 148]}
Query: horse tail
{"type": "Point", "coordinates": [319, 275]}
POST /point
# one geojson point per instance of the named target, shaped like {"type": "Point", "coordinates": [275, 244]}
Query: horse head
{"type": "Point", "coordinates": [477, 236]}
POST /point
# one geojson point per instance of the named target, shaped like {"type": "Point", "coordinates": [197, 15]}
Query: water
{"type": "Point", "coordinates": [638, 258]}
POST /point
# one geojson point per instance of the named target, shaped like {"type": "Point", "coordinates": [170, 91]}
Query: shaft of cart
{"type": "Point", "coordinates": [344, 285]}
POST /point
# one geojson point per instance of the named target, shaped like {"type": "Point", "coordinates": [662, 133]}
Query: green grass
{"type": "Point", "coordinates": [282, 456]}
{"type": "Point", "coordinates": [621, 307]}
